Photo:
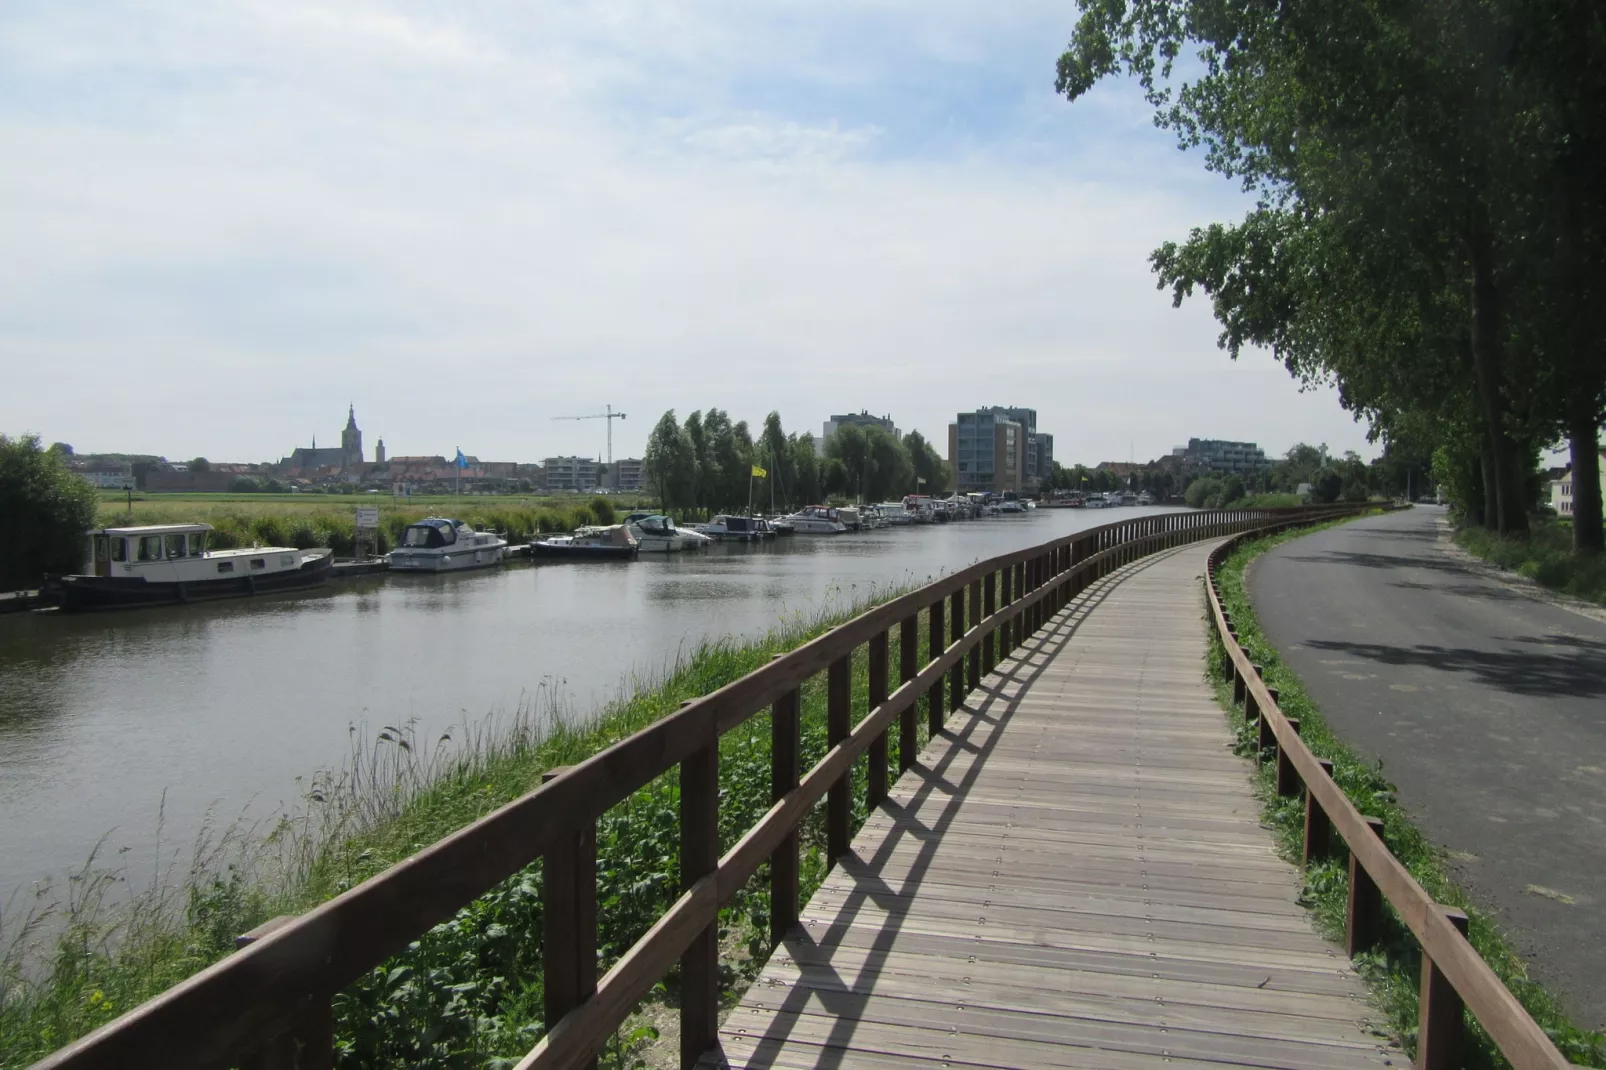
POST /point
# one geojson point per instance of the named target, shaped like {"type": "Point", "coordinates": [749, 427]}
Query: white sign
{"type": "Point", "coordinates": [367, 518]}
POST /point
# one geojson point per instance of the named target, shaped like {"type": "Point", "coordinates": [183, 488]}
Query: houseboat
{"type": "Point", "coordinates": [613, 542]}
{"type": "Point", "coordinates": [166, 564]}
{"type": "Point", "coordinates": [439, 544]}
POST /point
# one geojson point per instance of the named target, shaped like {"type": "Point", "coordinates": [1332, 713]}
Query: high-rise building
{"type": "Point", "coordinates": [854, 419]}
{"type": "Point", "coordinates": [1219, 455]}
{"type": "Point", "coordinates": [1036, 458]}
{"type": "Point", "coordinates": [987, 451]}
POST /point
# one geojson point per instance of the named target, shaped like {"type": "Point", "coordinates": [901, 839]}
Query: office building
{"type": "Point", "coordinates": [572, 473]}
{"type": "Point", "coordinates": [1221, 456]}
{"type": "Point", "coordinates": [987, 451]}
{"type": "Point", "coordinates": [854, 419]}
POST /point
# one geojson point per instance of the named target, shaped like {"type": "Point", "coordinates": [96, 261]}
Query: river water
{"type": "Point", "coordinates": [126, 729]}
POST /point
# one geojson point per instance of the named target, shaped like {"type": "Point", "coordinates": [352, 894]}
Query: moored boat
{"type": "Point", "coordinates": [167, 564]}
{"type": "Point", "coordinates": [613, 542]}
{"type": "Point", "coordinates": [657, 534]}
{"type": "Point", "coordinates": [817, 520]}
{"type": "Point", "coordinates": [731, 528]}
{"type": "Point", "coordinates": [440, 544]}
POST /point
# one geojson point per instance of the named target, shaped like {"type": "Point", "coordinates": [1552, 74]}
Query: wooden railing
{"type": "Point", "coordinates": [268, 1005]}
{"type": "Point", "coordinates": [1454, 976]}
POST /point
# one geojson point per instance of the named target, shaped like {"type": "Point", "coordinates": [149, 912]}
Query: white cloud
{"type": "Point", "coordinates": [470, 224]}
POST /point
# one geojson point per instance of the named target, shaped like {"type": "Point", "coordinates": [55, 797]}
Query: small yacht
{"type": "Point", "coordinates": [731, 528]}
{"type": "Point", "coordinates": [817, 520]}
{"type": "Point", "coordinates": [613, 542]}
{"type": "Point", "coordinates": [162, 564]}
{"type": "Point", "coordinates": [781, 526]}
{"type": "Point", "coordinates": [895, 513]}
{"type": "Point", "coordinates": [440, 544]}
{"type": "Point", "coordinates": [657, 534]}
{"type": "Point", "coordinates": [1145, 498]}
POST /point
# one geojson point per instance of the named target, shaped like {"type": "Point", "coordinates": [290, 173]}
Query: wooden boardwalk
{"type": "Point", "coordinates": [1074, 876]}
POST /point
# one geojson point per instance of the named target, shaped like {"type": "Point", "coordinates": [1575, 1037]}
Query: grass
{"type": "Point", "coordinates": [468, 992]}
{"type": "Point", "coordinates": [308, 520]}
{"type": "Point", "coordinates": [1544, 555]}
{"type": "Point", "coordinates": [1393, 969]}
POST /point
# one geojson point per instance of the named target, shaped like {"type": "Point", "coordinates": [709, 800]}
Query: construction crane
{"type": "Point", "coordinates": [608, 415]}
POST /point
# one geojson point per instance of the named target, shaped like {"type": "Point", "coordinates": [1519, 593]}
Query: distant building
{"type": "Point", "coordinates": [1562, 490]}
{"type": "Point", "coordinates": [854, 419]}
{"type": "Point", "coordinates": [987, 451]}
{"type": "Point", "coordinates": [1036, 448]}
{"type": "Point", "coordinates": [346, 460]}
{"type": "Point", "coordinates": [1219, 455]}
{"type": "Point", "coordinates": [573, 473]}
{"type": "Point", "coordinates": [109, 475]}
{"type": "Point", "coordinates": [379, 452]}
{"type": "Point", "coordinates": [626, 475]}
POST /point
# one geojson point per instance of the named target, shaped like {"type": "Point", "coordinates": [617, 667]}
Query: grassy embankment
{"type": "Point", "coordinates": [467, 993]}
{"type": "Point", "coordinates": [1394, 969]}
{"type": "Point", "coordinates": [308, 520]}
{"type": "Point", "coordinates": [1544, 555]}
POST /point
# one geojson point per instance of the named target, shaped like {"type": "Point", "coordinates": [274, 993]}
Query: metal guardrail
{"type": "Point", "coordinates": [267, 1007]}
{"type": "Point", "coordinates": [1454, 975]}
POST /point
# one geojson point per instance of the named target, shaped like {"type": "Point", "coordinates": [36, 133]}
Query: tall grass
{"type": "Point", "coordinates": [1544, 555]}
{"type": "Point", "coordinates": [1394, 968]}
{"type": "Point", "coordinates": [468, 992]}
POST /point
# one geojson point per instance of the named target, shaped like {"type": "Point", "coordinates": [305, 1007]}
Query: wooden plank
{"type": "Point", "coordinates": [1068, 876]}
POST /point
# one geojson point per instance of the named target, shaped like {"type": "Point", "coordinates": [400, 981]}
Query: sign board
{"type": "Point", "coordinates": [367, 518]}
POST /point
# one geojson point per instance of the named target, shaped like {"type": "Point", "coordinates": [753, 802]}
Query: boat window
{"type": "Point", "coordinates": [101, 548]}
{"type": "Point", "coordinates": [150, 547]}
{"type": "Point", "coordinates": [259, 562]}
{"type": "Point", "coordinates": [225, 566]}
{"type": "Point", "coordinates": [175, 546]}
{"type": "Point", "coordinates": [119, 549]}
{"type": "Point", "coordinates": [197, 544]}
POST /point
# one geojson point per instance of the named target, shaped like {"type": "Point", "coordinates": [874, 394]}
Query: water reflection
{"type": "Point", "coordinates": [224, 705]}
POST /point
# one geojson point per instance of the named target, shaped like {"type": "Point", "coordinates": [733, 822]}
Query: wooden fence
{"type": "Point", "coordinates": [267, 1007]}
{"type": "Point", "coordinates": [1454, 976]}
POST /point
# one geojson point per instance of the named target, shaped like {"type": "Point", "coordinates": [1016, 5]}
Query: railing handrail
{"type": "Point", "coordinates": [281, 984]}
{"type": "Point", "coordinates": [1444, 946]}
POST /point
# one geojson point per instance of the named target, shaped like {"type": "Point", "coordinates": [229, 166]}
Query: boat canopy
{"type": "Point", "coordinates": [431, 532]}
{"type": "Point", "coordinates": [154, 529]}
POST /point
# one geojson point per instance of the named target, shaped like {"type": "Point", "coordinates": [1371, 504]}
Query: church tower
{"type": "Point", "coordinates": [351, 440]}
{"type": "Point", "coordinates": [379, 453]}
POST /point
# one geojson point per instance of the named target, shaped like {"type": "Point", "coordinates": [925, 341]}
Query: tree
{"type": "Point", "coordinates": [834, 474]}
{"type": "Point", "coordinates": [670, 464]}
{"type": "Point", "coordinates": [806, 470]}
{"type": "Point", "coordinates": [61, 449]}
{"type": "Point", "coordinates": [775, 457]}
{"type": "Point", "coordinates": [850, 446]}
{"type": "Point", "coordinates": [1232, 490]}
{"type": "Point", "coordinates": [47, 509]}
{"type": "Point", "coordinates": [1326, 484]}
{"type": "Point", "coordinates": [929, 471]}
{"type": "Point", "coordinates": [200, 464]}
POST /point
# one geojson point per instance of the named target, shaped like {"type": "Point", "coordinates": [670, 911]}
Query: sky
{"type": "Point", "coordinates": [222, 223]}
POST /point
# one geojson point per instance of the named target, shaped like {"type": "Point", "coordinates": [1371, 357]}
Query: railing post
{"type": "Point", "coordinates": [1267, 737]}
{"type": "Point", "coordinates": [699, 855]}
{"type": "Point", "coordinates": [568, 919]}
{"type": "Point", "coordinates": [936, 632]}
{"type": "Point", "coordinates": [310, 1043]}
{"type": "Point", "coordinates": [956, 632]}
{"type": "Point", "coordinates": [838, 713]}
{"type": "Point", "coordinates": [989, 606]}
{"type": "Point", "coordinates": [875, 783]}
{"type": "Point", "coordinates": [785, 743]}
{"type": "Point", "coordinates": [1019, 632]}
{"type": "Point", "coordinates": [908, 668]}
{"type": "Point", "coordinates": [1318, 826]}
{"type": "Point", "coordinates": [974, 619]}
{"type": "Point", "coordinates": [1441, 1023]}
{"type": "Point", "coordinates": [1287, 775]}
{"type": "Point", "coordinates": [1006, 598]}
{"type": "Point", "coordinates": [1364, 916]}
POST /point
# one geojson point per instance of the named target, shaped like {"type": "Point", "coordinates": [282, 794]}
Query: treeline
{"type": "Point", "coordinates": [1429, 232]}
{"type": "Point", "coordinates": [709, 464]}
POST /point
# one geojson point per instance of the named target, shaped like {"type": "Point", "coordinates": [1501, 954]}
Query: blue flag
{"type": "Point", "coordinates": [461, 462]}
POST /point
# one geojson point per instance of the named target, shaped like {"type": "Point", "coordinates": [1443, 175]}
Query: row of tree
{"type": "Point", "coordinates": [710, 464]}
{"type": "Point", "coordinates": [1430, 225]}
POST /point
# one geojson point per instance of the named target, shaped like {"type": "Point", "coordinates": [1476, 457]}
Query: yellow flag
{"type": "Point", "coordinates": [759, 473]}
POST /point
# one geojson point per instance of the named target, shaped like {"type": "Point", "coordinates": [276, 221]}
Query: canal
{"type": "Point", "coordinates": [137, 729]}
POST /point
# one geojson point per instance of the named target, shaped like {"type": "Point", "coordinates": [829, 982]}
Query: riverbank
{"type": "Point", "coordinates": [1393, 970]}
{"type": "Point", "coordinates": [1544, 555]}
{"type": "Point", "coordinates": [469, 990]}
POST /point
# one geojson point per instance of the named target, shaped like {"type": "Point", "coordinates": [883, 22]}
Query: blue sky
{"type": "Point", "coordinates": [226, 221]}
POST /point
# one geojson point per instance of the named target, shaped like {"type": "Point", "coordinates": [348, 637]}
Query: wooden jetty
{"type": "Point", "coordinates": [1074, 875]}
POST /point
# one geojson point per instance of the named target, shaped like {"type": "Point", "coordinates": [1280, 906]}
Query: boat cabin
{"type": "Point", "coordinates": [148, 544]}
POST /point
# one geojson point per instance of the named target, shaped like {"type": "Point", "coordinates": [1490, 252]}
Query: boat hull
{"type": "Point", "coordinates": [583, 553]}
{"type": "Point", "coordinates": [81, 593]}
{"type": "Point", "coordinates": [461, 561]}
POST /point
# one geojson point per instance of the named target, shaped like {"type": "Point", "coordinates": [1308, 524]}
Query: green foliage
{"type": "Point", "coordinates": [47, 510]}
{"type": "Point", "coordinates": [602, 510]}
{"type": "Point", "coordinates": [1203, 493]}
{"type": "Point", "coordinates": [1394, 968]}
{"type": "Point", "coordinates": [1326, 484]}
{"type": "Point", "coordinates": [1544, 555]}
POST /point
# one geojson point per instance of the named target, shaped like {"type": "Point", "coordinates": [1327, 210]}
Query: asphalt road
{"type": "Point", "coordinates": [1487, 706]}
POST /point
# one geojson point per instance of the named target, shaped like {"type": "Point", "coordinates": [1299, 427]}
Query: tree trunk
{"type": "Point", "coordinates": [1505, 510]}
{"type": "Point", "coordinates": [1485, 515]}
{"type": "Point", "coordinates": [1581, 417]}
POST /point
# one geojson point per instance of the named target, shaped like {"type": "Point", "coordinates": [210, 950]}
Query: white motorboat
{"type": "Point", "coordinates": [440, 544]}
{"type": "Point", "coordinates": [590, 543]}
{"type": "Point", "coordinates": [162, 564]}
{"type": "Point", "coordinates": [817, 520]}
{"type": "Point", "coordinates": [1145, 498]}
{"type": "Point", "coordinates": [895, 513]}
{"type": "Point", "coordinates": [657, 534]}
{"type": "Point", "coordinates": [730, 528]}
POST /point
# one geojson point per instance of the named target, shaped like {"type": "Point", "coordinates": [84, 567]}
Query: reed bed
{"type": "Point", "coordinates": [469, 991]}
